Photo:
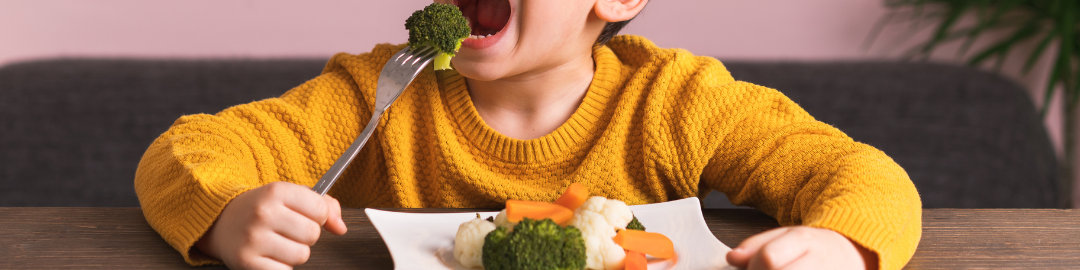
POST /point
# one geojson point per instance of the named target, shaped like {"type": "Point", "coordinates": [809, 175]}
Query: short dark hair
{"type": "Point", "coordinates": [610, 30]}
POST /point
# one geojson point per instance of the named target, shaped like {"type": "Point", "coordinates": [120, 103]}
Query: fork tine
{"type": "Point", "coordinates": [399, 54]}
{"type": "Point", "coordinates": [418, 54]}
{"type": "Point", "coordinates": [423, 50]}
{"type": "Point", "coordinates": [419, 58]}
{"type": "Point", "coordinates": [405, 60]}
{"type": "Point", "coordinates": [414, 50]}
{"type": "Point", "coordinates": [432, 53]}
{"type": "Point", "coordinates": [412, 60]}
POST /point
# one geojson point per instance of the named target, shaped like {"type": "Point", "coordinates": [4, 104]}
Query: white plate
{"type": "Point", "coordinates": [425, 241]}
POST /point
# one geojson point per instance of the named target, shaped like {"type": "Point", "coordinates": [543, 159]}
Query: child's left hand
{"type": "Point", "coordinates": [801, 247]}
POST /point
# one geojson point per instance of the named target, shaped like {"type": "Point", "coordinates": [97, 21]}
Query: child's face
{"type": "Point", "coordinates": [528, 36]}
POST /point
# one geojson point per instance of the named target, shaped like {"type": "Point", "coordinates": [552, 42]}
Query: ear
{"type": "Point", "coordinates": [618, 10]}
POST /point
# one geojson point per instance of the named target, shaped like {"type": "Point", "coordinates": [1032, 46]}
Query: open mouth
{"type": "Point", "coordinates": [486, 17]}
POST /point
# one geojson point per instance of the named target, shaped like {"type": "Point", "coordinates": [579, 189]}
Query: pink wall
{"type": "Point", "coordinates": [196, 28]}
{"type": "Point", "coordinates": [820, 29]}
{"type": "Point", "coordinates": [758, 29]}
{"type": "Point", "coordinates": [731, 29]}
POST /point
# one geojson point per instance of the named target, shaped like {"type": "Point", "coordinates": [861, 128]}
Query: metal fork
{"type": "Point", "coordinates": [396, 75]}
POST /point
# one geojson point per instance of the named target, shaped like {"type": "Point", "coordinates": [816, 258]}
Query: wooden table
{"type": "Point", "coordinates": [119, 238]}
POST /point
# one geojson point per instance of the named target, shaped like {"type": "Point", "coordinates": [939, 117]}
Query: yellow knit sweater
{"type": "Point", "coordinates": [656, 125]}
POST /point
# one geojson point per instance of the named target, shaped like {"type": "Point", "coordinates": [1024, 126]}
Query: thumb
{"type": "Point", "coordinates": [334, 224]}
{"type": "Point", "coordinates": [741, 255]}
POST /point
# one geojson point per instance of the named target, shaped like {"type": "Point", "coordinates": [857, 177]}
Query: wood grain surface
{"type": "Point", "coordinates": [120, 238]}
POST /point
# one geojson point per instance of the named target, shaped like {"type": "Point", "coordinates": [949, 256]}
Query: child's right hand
{"type": "Point", "coordinates": [271, 227]}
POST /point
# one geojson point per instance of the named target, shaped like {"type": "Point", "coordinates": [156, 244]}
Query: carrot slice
{"type": "Point", "coordinates": [654, 244]}
{"type": "Point", "coordinates": [517, 210]}
{"type": "Point", "coordinates": [573, 197]}
{"type": "Point", "coordinates": [635, 261]}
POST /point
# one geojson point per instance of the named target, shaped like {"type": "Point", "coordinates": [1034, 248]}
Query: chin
{"type": "Point", "coordinates": [480, 72]}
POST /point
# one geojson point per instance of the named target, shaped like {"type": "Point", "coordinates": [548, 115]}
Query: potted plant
{"type": "Point", "coordinates": [1008, 24]}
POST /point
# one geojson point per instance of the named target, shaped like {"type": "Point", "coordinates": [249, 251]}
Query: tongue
{"type": "Point", "coordinates": [493, 14]}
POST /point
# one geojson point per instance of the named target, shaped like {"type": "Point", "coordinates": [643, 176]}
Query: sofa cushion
{"type": "Point", "coordinates": [967, 138]}
{"type": "Point", "coordinates": [74, 130]}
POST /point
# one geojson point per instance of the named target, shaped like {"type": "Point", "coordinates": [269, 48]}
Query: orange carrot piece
{"type": "Point", "coordinates": [573, 197]}
{"type": "Point", "coordinates": [654, 244]}
{"type": "Point", "coordinates": [517, 210]}
{"type": "Point", "coordinates": [635, 261]}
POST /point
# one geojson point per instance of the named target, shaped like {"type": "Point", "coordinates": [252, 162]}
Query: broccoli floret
{"type": "Point", "coordinates": [635, 225]}
{"type": "Point", "coordinates": [441, 26]}
{"type": "Point", "coordinates": [534, 245]}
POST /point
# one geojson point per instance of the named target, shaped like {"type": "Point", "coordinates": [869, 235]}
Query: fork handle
{"type": "Point", "coordinates": [342, 162]}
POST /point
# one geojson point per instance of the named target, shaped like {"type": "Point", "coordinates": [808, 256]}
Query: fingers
{"type": "Point", "coordinates": [260, 263]}
{"type": "Point", "coordinates": [266, 250]}
{"type": "Point", "coordinates": [296, 227]}
{"type": "Point", "coordinates": [272, 251]}
{"type": "Point", "coordinates": [798, 247]}
{"type": "Point", "coordinates": [334, 223]}
{"type": "Point", "coordinates": [741, 255]}
{"type": "Point", "coordinates": [324, 210]}
{"type": "Point", "coordinates": [783, 250]}
{"type": "Point", "coordinates": [300, 199]}
{"type": "Point", "coordinates": [285, 251]}
{"type": "Point", "coordinates": [271, 227]}
{"type": "Point", "coordinates": [806, 263]}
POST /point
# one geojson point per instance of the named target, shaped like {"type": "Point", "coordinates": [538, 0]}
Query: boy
{"type": "Point", "coordinates": [526, 111]}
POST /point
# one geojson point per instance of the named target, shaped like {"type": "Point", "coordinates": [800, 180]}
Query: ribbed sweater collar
{"type": "Point", "coordinates": [580, 131]}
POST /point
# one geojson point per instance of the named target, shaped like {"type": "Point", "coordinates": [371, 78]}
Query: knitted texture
{"type": "Point", "coordinates": [656, 125]}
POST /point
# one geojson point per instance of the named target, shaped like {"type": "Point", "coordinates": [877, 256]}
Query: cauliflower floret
{"type": "Point", "coordinates": [590, 221]}
{"type": "Point", "coordinates": [617, 213]}
{"type": "Point", "coordinates": [596, 231]}
{"type": "Point", "coordinates": [593, 204]}
{"type": "Point", "coordinates": [614, 255]}
{"type": "Point", "coordinates": [502, 220]}
{"type": "Point", "coordinates": [597, 224]}
{"type": "Point", "coordinates": [469, 242]}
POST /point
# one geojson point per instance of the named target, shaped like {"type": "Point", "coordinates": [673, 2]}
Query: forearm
{"type": "Point", "coordinates": [869, 199]}
{"type": "Point", "coordinates": [841, 185]}
{"type": "Point", "coordinates": [192, 171]}
{"type": "Point", "coordinates": [186, 178]}
{"type": "Point", "coordinates": [781, 161]}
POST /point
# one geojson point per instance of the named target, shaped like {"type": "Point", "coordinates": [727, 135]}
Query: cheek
{"type": "Point", "coordinates": [558, 36]}
{"type": "Point", "coordinates": [551, 30]}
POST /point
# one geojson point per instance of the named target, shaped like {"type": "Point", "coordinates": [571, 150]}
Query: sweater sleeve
{"type": "Point", "coordinates": [777, 158]}
{"type": "Point", "coordinates": [194, 169]}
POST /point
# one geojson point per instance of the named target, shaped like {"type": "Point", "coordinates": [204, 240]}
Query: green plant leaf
{"type": "Point", "coordinates": [985, 22]}
{"type": "Point", "coordinates": [955, 11]}
{"type": "Point", "coordinates": [1038, 22]}
{"type": "Point", "coordinates": [875, 31]}
{"type": "Point", "coordinates": [1049, 93]}
{"type": "Point", "coordinates": [1001, 49]}
{"type": "Point", "coordinates": [1075, 86]}
{"type": "Point", "coordinates": [1068, 28]}
{"type": "Point", "coordinates": [1037, 53]}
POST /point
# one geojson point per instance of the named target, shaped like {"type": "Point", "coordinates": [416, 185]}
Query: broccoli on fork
{"type": "Point", "coordinates": [441, 26]}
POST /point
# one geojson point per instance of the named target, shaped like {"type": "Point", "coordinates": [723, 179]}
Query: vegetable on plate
{"type": "Point", "coordinates": [575, 232]}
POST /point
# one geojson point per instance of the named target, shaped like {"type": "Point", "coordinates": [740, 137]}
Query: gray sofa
{"type": "Point", "coordinates": [73, 130]}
